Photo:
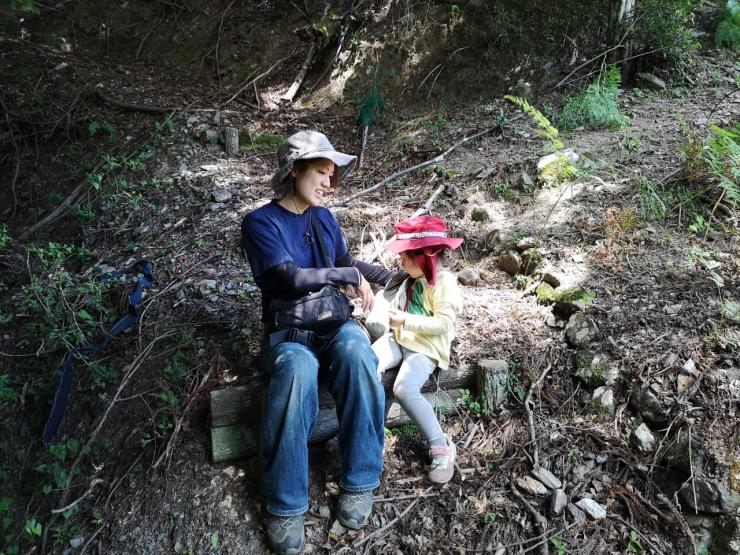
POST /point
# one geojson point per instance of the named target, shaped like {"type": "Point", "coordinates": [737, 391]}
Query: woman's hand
{"type": "Point", "coordinates": [396, 318]}
{"type": "Point", "coordinates": [365, 293]}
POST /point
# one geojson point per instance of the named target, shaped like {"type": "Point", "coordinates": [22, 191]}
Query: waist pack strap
{"type": "Point", "coordinates": [293, 335]}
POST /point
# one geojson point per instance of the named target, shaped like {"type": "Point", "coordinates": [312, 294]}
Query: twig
{"type": "Point", "coordinates": [131, 107]}
{"type": "Point", "coordinates": [392, 522]}
{"type": "Point", "coordinates": [218, 41]}
{"type": "Point", "coordinates": [141, 44]}
{"type": "Point", "coordinates": [124, 382]}
{"type": "Point", "coordinates": [178, 425]}
{"type": "Point", "coordinates": [17, 159]}
{"type": "Point", "coordinates": [540, 520]}
{"type": "Point", "coordinates": [250, 81]}
{"type": "Point", "coordinates": [435, 160]}
{"type": "Point", "coordinates": [632, 527]}
{"type": "Point", "coordinates": [428, 204]}
{"type": "Point", "coordinates": [298, 81]}
{"type": "Point", "coordinates": [361, 160]}
{"type": "Point", "coordinates": [94, 483]}
{"type": "Point", "coordinates": [403, 497]}
{"type": "Point", "coordinates": [721, 100]}
{"type": "Point", "coordinates": [530, 418]}
{"type": "Point", "coordinates": [684, 526]}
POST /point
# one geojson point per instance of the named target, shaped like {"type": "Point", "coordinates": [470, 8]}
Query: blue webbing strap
{"type": "Point", "coordinates": [61, 396]}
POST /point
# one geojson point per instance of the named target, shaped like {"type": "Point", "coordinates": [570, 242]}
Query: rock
{"type": "Point", "coordinates": [602, 401]}
{"type": "Point", "coordinates": [570, 301]}
{"type": "Point", "coordinates": [494, 243]}
{"type": "Point", "coordinates": [711, 497]}
{"type": "Point", "coordinates": [213, 206]}
{"type": "Point", "coordinates": [76, 542]}
{"type": "Point", "coordinates": [531, 259]}
{"type": "Point", "coordinates": [591, 368]}
{"type": "Point", "coordinates": [220, 194]}
{"type": "Point", "coordinates": [577, 514]}
{"type": "Point", "coordinates": [530, 485]}
{"type": "Point", "coordinates": [547, 165]}
{"type": "Point", "coordinates": [649, 81]}
{"type": "Point", "coordinates": [480, 214]}
{"type": "Point", "coordinates": [580, 329]}
{"type": "Point", "coordinates": [645, 402]}
{"type": "Point", "coordinates": [643, 439]}
{"type": "Point", "coordinates": [492, 377]}
{"type": "Point", "coordinates": [555, 322]}
{"type": "Point", "coordinates": [192, 120]}
{"type": "Point", "coordinates": [324, 511]}
{"type": "Point", "coordinates": [525, 243]}
{"type": "Point", "coordinates": [207, 286]}
{"type": "Point", "coordinates": [676, 455]}
{"type": "Point", "coordinates": [558, 501]}
{"type": "Point", "coordinates": [545, 293]}
{"type": "Point", "coordinates": [485, 172]}
{"type": "Point", "coordinates": [524, 181]}
{"type": "Point", "coordinates": [546, 477]}
{"type": "Point", "coordinates": [592, 508]}
{"type": "Point", "coordinates": [510, 262]}
{"type": "Point", "coordinates": [553, 278]}
{"type": "Point", "coordinates": [209, 136]}
{"type": "Point", "coordinates": [468, 276]}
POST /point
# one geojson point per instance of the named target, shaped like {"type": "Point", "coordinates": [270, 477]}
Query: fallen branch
{"type": "Point", "coordinates": [540, 521]}
{"type": "Point", "coordinates": [94, 483]}
{"type": "Point", "coordinates": [530, 417]}
{"type": "Point", "coordinates": [131, 107]}
{"type": "Point", "coordinates": [250, 81]}
{"type": "Point", "coordinates": [293, 90]}
{"type": "Point", "coordinates": [377, 533]}
{"type": "Point", "coordinates": [178, 425]}
{"type": "Point", "coordinates": [428, 204]}
{"type": "Point", "coordinates": [435, 160]}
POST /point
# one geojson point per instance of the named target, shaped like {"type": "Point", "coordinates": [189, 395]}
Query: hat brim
{"type": "Point", "coordinates": [344, 162]}
{"type": "Point", "coordinates": [399, 245]}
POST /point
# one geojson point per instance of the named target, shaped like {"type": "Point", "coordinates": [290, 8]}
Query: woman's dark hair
{"type": "Point", "coordinates": [440, 255]}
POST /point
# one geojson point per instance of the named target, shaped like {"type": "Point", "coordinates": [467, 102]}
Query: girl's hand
{"type": "Point", "coordinates": [396, 318]}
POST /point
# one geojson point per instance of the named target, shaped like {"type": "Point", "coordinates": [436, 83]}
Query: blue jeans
{"type": "Point", "coordinates": [291, 404]}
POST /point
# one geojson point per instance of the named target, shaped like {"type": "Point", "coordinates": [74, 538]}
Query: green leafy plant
{"type": "Point", "coordinates": [468, 403]}
{"type": "Point", "coordinates": [27, 5]}
{"type": "Point", "coordinates": [653, 205]}
{"type": "Point", "coordinates": [662, 31]}
{"type": "Point", "coordinates": [545, 129]}
{"type": "Point", "coordinates": [514, 385]}
{"type": "Point", "coordinates": [34, 527]}
{"type": "Point", "coordinates": [4, 236]}
{"type": "Point", "coordinates": [560, 545]}
{"type": "Point", "coordinates": [727, 33]}
{"type": "Point", "coordinates": [596, 107]}
{"type": "Point", "coordinates": [634, 545]}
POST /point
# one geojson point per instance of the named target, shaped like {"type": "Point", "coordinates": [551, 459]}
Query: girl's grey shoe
{"type": "Point", "coordinates": [354, 509]}
{"type": "Point", "coordinates": [286, 534]}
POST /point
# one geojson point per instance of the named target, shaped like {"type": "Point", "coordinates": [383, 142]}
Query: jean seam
{"type": "Point", "coordinates": [359, 489]}
{"type": "Point", "coordinates": [294, 512]}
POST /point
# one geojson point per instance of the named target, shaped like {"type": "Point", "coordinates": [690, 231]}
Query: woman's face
{"type": "Point", "coordinates": [313, 184]}
{"type": "Point", "coordinates": [410, 266]}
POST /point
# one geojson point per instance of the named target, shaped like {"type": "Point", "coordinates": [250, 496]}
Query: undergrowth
{"type": "Point", "coordinates": [727, 33]}
{"type": "Point", "coordinates": [596, 107]}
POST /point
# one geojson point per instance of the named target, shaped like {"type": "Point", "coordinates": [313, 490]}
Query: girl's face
{"type": "Point", "coordinates": [410, 266]}
{"type": "Point", "coordinates": [313, 184]}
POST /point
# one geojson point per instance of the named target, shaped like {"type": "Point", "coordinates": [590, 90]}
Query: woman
{"type": "Point", "coordinates": [287, 261]}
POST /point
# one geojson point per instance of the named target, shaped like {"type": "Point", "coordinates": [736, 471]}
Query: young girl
{"type": "Point", "coordinates": [422, 321]}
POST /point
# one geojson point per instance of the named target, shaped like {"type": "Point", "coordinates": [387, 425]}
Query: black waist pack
{"type": "Point", "coordinates": [321, 312]}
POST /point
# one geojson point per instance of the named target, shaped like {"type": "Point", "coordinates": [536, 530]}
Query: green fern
{"type": "Point", "coordinates": [370, 107]}
{"type": "Point", "coordinates": [727, 32]}
{"type": "Point", "coordinates": [596, 107]}
{"type": "Point", "coordinates": [545, 129]}
{"type": "Point", "coordinates": [723, 160]}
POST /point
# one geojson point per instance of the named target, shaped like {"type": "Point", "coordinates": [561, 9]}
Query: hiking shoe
{"type": "Point", "coordinates": [286, 534]}
{"type": "Point", "coordinates": [354, 509]}
{"type": "Point", "coordinates": [443, 462]}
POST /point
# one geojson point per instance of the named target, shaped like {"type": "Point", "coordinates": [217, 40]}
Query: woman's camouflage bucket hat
{"type": "Point", "coordinates": [309, 145]}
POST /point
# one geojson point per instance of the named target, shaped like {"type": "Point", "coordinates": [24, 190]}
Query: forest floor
{"type": "Point", "coordinates": [659, 301]}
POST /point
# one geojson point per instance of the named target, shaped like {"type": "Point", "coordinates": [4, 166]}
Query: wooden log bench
{"type": "Point", "coordinates": [236, 410]}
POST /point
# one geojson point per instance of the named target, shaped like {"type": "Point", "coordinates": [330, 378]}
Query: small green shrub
{"type": "Point", "coordinates": [596, 107]}
{"type": "Point", "coordinates": [664, 26]}
{"type": "Point", "coordinates": [727, 33]}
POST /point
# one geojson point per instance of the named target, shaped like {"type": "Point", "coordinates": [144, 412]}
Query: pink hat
{"type": "Point", "coordinates": [421, 232]}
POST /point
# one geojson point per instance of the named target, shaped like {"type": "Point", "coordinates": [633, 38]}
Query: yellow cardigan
{"type": "Point", "coordinates": [432, 335]}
